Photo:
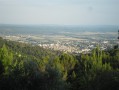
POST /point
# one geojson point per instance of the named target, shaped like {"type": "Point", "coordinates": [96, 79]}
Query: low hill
{"type": "Point", "coordinates": [27, 67]}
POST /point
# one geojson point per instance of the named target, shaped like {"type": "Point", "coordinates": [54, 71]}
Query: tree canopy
{"type": "Point", "coordinates": [27, 67]}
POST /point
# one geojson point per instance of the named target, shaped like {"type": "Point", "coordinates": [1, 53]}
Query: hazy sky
{"type": "Point", "coordinates": [62, 12]}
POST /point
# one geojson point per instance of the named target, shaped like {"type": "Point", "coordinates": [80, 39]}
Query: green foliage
{"type": "Point", "coordinates": [68, 61]}
{"type": "Point", "coordinates": [26, 67]}
{"type": "Point", "coordinates": [6, 58]}
{"type": "Point", "coordinates": [95, 71]}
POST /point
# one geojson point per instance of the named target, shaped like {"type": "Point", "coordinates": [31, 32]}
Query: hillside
{"type": "Point", "coordinates": [27, 67]}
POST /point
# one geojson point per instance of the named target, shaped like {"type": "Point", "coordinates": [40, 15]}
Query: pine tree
{"type": "Point", "coordinates": [6, 58]}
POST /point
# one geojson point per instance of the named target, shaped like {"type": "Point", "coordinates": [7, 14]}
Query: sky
{"type": "Point", "coordinates": [61, 12]}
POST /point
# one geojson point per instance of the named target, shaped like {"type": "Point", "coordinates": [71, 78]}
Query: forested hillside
{"type": "Point", "coordinates": [27, 67]}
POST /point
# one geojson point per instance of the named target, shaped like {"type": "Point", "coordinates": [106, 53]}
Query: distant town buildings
{"type": "Point", "coordinates": [64, 43]}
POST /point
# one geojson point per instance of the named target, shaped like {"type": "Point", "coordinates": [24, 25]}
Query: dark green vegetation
{"type": "Point", "coordinates": [26, 67]}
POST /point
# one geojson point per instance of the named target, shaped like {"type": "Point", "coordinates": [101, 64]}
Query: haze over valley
{"type": "Point", "coordinates": [74, 39]}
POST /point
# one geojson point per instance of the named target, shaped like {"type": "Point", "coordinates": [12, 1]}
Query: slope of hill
{"type": "Point", "coordinates": [27, 67]}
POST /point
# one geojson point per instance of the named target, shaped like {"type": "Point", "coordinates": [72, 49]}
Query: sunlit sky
{"type": "Point", "coordinates": [61, 12]}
